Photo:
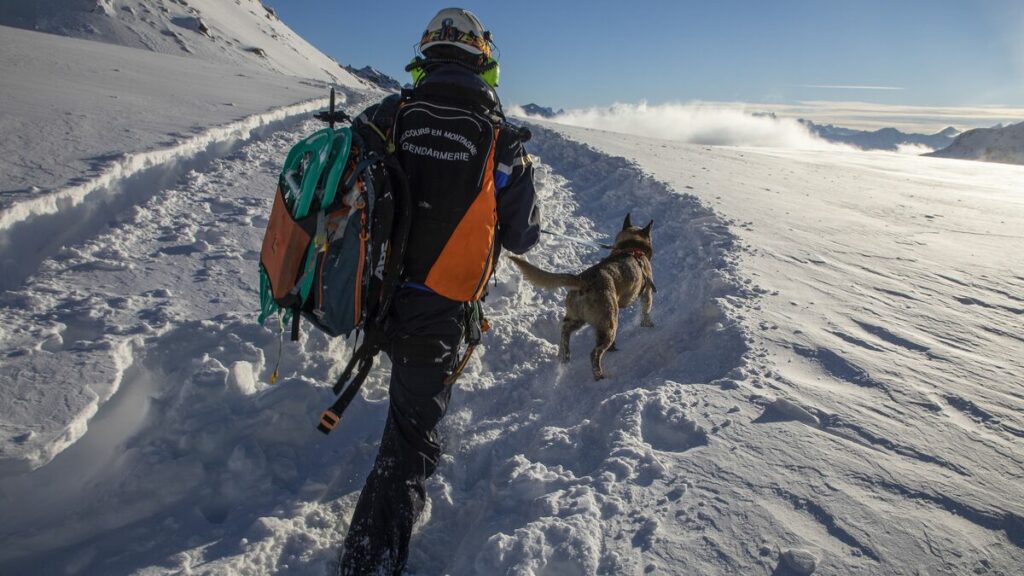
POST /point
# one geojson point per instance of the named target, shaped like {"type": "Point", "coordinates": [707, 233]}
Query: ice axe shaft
{"type": "Point", "coordinates": [332, 116]}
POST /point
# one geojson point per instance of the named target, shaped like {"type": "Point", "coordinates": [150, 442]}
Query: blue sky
{"type": "Point", "coordinates": [594, 53]}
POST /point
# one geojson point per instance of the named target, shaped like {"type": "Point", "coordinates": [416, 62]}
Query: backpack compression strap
{"type": "Point", "coordinates": [363, 358]}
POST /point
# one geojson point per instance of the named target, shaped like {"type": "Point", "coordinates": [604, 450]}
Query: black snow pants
{"type": "Point", "coordinates": [425, 333]}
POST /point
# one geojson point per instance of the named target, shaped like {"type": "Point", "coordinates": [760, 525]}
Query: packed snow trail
{"type": "Point", "coordinates": [197, 464]}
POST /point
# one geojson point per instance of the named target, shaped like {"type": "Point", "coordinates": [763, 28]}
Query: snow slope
{"type": "Point", "coordinates": [93, 128]}
{"type": "Point", "coordinates": [1004, 144]}
{"type": "Point", "coordinates": [71, 106]}
{"type": "Point", "coordinates": [236, 33]}
{"type": "Point", "coordinates": [879, 420]}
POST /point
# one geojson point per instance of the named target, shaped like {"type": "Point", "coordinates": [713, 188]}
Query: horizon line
{"type": "Point", "coordinates": [850, 87]}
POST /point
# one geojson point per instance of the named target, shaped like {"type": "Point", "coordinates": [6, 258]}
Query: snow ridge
{"type": "Point", "coordinates": [48, 220]}
{"type": "Point", "coordinates": [241, 33]}
{"type": "Point", "coordinates": [132, 163]}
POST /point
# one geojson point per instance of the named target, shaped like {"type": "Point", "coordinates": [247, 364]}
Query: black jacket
{"type": "Point", "coordinates": [518, 213]}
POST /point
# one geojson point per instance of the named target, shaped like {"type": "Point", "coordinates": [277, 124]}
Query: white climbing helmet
{"type": "Point", "coordinates": [460, 28]}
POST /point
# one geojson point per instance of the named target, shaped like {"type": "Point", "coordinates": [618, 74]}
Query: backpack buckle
{"type": "Point", "coordinates": [328, 421]}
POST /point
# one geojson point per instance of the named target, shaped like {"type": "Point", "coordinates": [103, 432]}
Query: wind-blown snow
{"type": "Point", "coordinates": [913, 149]}
{"type": "Point", "coordinates": [694, 123]}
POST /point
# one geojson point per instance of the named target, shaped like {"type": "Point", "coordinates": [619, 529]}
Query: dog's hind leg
{"type": "Point", "coordinates": [647, 302]}
{"type": "Point", "coordinates": [569, 325]}
{"type": "Point", "coordinates": [605, 339]}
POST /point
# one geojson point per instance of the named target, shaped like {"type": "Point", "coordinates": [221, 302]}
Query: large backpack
{"type": "Point", "coordinates": [337, 230]}
{"type": "Point", "coordinates": [445, 147]}
{"type": "Point", "coordinates": [416, 204]}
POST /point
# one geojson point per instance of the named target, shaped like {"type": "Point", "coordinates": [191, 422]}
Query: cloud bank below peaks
{"type": "Point", "coordinates": [694, 123]}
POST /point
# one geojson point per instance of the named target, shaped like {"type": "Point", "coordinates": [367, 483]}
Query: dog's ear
{"type": "Point", "coordinates": [647, 229]}
{"type": "Point", "coordinates": [626, 223]}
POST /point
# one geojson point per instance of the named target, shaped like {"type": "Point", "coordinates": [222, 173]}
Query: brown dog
{"type": "Point", "coordinates": [597, 293]}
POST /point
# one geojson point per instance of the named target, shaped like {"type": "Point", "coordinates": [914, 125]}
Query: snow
{"type": "Point", "coordinates": [832, 385]}
{"type": "Point", "coordinates": [233, 33]}
{"type": "Point", "coordinates": [97, 128]}
{"type": "Point", "coordinates": [890, 312]}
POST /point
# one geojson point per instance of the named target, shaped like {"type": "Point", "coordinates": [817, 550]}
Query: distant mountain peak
{"type": "Point", "coordinates": [376, 77]}
{"type": "Point", "coordinates": [542, 111]}
{"type": "Point", "coordinates": [1003, 144]}
{"type": "Point", "coordinates": [882, 139]}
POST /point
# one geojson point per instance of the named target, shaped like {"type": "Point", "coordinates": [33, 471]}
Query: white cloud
{"type": "Point", "coordinates": [870, 116]}
{"type": "Point", "coordinates": [696, 123]}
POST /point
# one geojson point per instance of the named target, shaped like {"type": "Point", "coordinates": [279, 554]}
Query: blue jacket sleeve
{"type": "Point", "coordinates": [518, 213]}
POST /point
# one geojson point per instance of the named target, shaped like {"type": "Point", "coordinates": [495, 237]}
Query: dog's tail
{"type": "Point", "coordinates": [545, 279]}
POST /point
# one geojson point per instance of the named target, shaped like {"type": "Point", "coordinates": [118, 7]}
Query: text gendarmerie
{"type": "Point", "coordinates": [438, 154]}
{"type": "Point", "coordinates": [424, 151]}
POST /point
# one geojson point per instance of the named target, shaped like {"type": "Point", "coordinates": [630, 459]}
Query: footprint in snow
{"type": "Point", "coordinates": [667, 428]}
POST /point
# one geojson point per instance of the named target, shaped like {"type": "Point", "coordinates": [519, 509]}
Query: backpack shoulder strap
{"type": "Point", "coordinates": [374, 123]}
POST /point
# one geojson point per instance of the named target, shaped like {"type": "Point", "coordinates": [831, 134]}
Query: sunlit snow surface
{"type": "Point", "coordinates": [835, 368]}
